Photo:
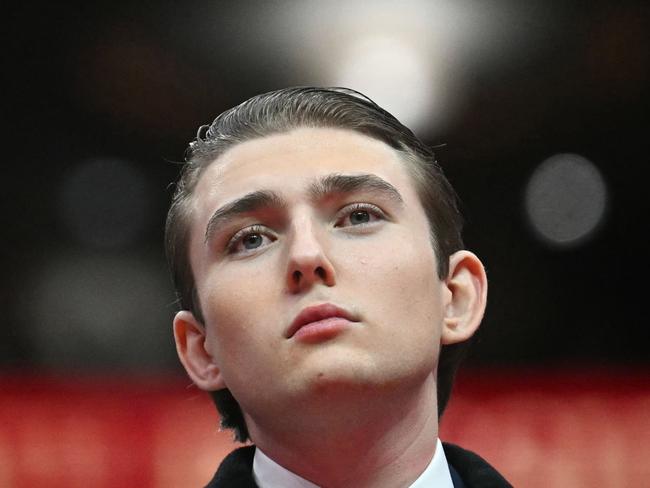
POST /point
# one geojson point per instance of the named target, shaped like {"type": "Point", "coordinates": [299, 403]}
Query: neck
{"type": "Point", "coordinates": [363, 443]}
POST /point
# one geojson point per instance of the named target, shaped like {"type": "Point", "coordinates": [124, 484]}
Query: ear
{"type": "Point", "coordinates": [465, 303]}
{"type": "Point", "coordinates": [199, 363]}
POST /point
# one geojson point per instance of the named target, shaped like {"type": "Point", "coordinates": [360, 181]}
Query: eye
{"type": "Point", "coordinates": [249, 240]}
{"type": "Point", "coordinates": [359, 214]}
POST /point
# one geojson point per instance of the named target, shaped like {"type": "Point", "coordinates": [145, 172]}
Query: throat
{"type": "Point", "coordinates": [376, 444]}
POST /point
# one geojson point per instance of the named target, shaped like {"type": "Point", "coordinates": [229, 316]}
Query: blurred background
{"type": "Point", "coordinates": [539, 113]}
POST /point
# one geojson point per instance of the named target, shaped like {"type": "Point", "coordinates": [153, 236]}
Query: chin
{"type": "Point", "coordinates": [349, 376]}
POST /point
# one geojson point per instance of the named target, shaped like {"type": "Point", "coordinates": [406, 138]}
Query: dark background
{"type": "Point", "coordinates": [103, 98]}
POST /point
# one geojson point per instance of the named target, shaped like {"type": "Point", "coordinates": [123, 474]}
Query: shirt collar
{"type": "Point", "coordinates": [269, 474]}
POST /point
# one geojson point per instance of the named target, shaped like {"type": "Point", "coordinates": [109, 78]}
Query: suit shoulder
{"type": "Point", "coordinates": [473, 469]}
{"type": "Point", "coordinates": [236, 470]}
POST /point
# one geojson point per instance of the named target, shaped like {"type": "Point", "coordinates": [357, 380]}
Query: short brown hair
{"type": "Point", "coordinates": [291, 108]}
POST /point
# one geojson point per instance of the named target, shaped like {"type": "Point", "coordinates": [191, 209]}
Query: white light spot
{"type": "Point", "coordinates": [566, 199]}
{"type": "Point", "coordinates": [394, 74]}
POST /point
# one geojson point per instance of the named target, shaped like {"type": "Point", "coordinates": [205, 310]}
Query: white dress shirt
{"type": "Point", "coordinates": [269, 474]}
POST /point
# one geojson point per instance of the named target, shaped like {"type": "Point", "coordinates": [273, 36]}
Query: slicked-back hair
{"type": "Point", "coordinates": [279, 112]}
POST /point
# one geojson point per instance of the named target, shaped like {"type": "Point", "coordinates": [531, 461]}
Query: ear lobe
{"type": "Point", "coordinates": [199, 363]}
{"type": "Point", "coordinates": [466, 302]}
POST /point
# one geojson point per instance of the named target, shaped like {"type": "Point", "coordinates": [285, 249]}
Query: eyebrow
{"type": "Point", "coordinates": [248, 203]}
{"type": "Point", "coordinates": [340, 183]}
{"type": "Point", "coordinates": [320, 189]}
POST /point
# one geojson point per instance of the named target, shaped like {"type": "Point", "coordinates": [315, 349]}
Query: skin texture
{"type": "Point", "coordinates": [358, 404]}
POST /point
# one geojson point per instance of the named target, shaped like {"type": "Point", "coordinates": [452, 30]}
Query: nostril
{"type": "Point", "coordinates": [320, 272]}
{"type": "Point", "coordinates": [296, 276]}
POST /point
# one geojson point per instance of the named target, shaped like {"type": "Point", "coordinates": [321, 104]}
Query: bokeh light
{"type": "Point", "coordinates": [105, 202]}
{"type": "Point", "coordinates": [101, 311]}
{"type": "Point", "coordinates": [566, 199]}
{"type": "Point", "coordinates": [376, 66]}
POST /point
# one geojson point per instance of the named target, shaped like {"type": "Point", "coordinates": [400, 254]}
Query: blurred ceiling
{"type": "Point", "coordinates": [103, 98]}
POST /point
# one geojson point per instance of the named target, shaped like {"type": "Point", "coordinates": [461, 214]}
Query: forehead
{"type": "Point", "coordinates": [289, 162]}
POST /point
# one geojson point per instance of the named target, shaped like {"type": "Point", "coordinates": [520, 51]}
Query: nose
{"type": "Point", "coordinates": [308, 263]}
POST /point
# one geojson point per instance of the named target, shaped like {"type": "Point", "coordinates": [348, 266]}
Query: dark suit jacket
{"type": "Point", "coordinates": [468, 470]}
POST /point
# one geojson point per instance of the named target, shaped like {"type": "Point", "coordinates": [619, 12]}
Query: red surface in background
{"type": "Point", "coordinates": [540, 429]}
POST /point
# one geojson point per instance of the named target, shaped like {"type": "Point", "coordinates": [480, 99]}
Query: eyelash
{"type": "Point", "coordinates": [348, 210]}
{"type": "Point", "coordinates": [345, 212]}
{"type": "Point", "coordinates": [243, 233]}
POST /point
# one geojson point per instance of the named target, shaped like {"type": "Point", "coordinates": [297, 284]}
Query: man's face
{"type": "Point", "coordinates": [321, 218]}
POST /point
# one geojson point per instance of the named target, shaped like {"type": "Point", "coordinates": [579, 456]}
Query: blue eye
{"type": "Point", "coordinates": [359, 215]}
{"type": "Point", "coordinates": [249, 239]}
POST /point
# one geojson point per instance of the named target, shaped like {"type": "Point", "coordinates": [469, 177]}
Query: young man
{"type": "Point", "coordinates": [326, 297]}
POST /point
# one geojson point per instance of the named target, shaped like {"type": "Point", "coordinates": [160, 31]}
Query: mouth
{"type": "Point", "coordinates": [321, 315]}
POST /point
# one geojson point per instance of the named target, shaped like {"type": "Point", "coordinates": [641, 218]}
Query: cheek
{"type": "Point", "coordinates": [399, 281]}
{"type": "Point", "coordinates": [400, 298]}
{"type": "Point", "coordinates": [237, 308]}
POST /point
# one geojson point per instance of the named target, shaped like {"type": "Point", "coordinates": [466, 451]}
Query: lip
{"type": "Point", "coordinates": [318, 313]}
